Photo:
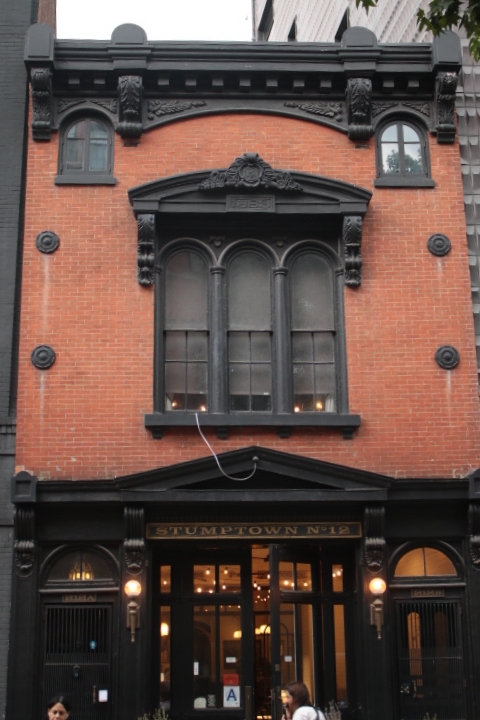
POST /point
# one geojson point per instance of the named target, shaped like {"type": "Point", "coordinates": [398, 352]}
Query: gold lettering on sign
{"type": "Point", "coordinates": [180, 531]}
{"type": "Point", "coordinates": [79, 598]}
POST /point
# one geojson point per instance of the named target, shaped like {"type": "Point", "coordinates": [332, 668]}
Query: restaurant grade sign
{"type": "Point", "coordinates": [259, 531]}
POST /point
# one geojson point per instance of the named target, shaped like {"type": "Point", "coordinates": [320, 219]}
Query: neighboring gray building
{"type": "Point", "coordinates": [15, 17]}
{"type": "Point", "coordinates": [324, 20]}
{"type": "Point", "coordinates": [392, 21]}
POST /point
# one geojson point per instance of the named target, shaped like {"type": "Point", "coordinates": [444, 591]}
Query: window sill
{"type": "Point", "coordinates": [406, 182]}
{"type": "Point", "coordinates": [157, 422]}
{"type": "Point", "coordinates": [85, 180]}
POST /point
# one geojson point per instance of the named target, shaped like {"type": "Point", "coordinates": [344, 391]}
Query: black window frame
{"type": "Point", "coordinates": [85, 176]}
{"type": "Point", "coordinates": [403, 178]}
{"type": "Point", "coordinates": [282, 414]}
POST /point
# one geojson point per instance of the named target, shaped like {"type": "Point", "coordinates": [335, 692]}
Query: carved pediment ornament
{"type": "Point", "coordinates": [331, 110]}
{"type": "Point", "coordinates": [134, 542]}
{"type": "Point", "coordinates": [474, 539]}
{"type": "Point", "coordinates": [352, 245]}
{"type": "Point", "coordinates": [130, 97]}
{"type": "Point", "coordinates": [24, 545]}
{"type": "Point", "coordinates": [375, 544]}
{"type": "Point", "coordinates": [359, 108]}
{"type": "Point", "coordinates": [445, 90]}
{"type": "Point", "coordinates": [250, 172]}
{"type": "Point", "coordinates": [41, 79]}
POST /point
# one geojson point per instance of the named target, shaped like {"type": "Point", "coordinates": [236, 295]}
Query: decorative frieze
{"type": "Point", "coordinates": [359, 108]}
{"type": "Point", "coordinates": [445, 90]}
{"type": "Point", "coordinates": [146, 248]}
{"type": "Point", "coordinates": [24, 545]}
{"type": "Point", "coordinates": [250, 172]}
{"type": "Point", "coordinates": [375, 544]}
{"type": "Point", "coordinates": [134, 542]}
{"type": "Point", "coordinates": [130, 98]}
{"type": "Point", "coordinates": [331, 110]}
{"type": "Point", "coordinates": [158, 108]}
{"type": "Point", "coordinates": [41, 79]}
{"type": "Point", "coordinates": [352, 245]}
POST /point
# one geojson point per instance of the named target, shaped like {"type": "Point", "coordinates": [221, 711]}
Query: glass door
{"type": "Point", "coordinates": [203, 609]}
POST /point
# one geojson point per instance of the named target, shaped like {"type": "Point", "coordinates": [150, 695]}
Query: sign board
{"type": "Point", "coordinates": [258, 531]}
{"type": "Point", "coordinates": [231, 696]}
{"type": "Point", "coordinates": [231, 679]}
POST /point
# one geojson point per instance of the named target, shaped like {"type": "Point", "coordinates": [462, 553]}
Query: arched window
{"type": "Point", "coordinates": [424, 562]}
{"type": "Point", "coordinates": [86, 153]}
{"type": "Point", "coordinates": [80, 566]}
{"type": "Point", "coordinates": [247, 340]}
{"type": "Point", "coordinates": [312, 325]}
{"type": "Point", "coordinates": [249, 334]}
{"type": "Point", "coordinates": [402, 156]}
{"type": "Point", "coordinates": [186, 333]}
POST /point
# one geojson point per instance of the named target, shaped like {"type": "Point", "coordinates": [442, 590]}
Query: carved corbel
{"type": "Point", "coordinates": [134, 542]}
{"type": "Point", "coordinates": [445, 90]}
{"type": "Point", "coordinates": [359, 108]}
{"type": "Point", "coordinates": [474, 528]}
{"type": "Point", "coordinates": [130, 97]}
{"type": "Point", "coordinates": [146, 249]}
{"type": "Point", "coordinates": [24, 545]}
{"type": "Point", "coordinates": [374, 545]}
{"type": "Point", "coordinates": [41, 79]}
{"type": "Point", "coordinates": [352, 245]}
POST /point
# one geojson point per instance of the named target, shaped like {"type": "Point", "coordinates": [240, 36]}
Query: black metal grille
{"type": "Point", "coordinates": [77, 654]}
{"type": "Point", "coordinates": [430, 656]}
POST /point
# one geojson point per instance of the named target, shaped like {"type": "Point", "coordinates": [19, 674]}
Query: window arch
{"type": "Point", "coordinates": [424, 562]}
{"type": "Point", "coordinates": [86, 155]}
{"type": "Point", "coordinates": [402, 155]}
{"type": "Point", "coordinates": [80, 566]}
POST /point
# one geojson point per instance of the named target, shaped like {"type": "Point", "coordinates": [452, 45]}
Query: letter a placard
{"type": "Point", "coordinates": [231, 696]}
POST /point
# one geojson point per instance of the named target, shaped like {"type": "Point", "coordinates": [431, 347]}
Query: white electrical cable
{"type": "Point", "coordinates": [217, 460]}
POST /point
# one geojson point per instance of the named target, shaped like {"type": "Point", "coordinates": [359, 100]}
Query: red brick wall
{"type": "Point", "coordinates": [84, 418]}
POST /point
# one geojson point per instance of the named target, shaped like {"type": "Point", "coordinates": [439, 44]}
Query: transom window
{"type": "Point", "coordinates": [86, 153]}
{"type": "Point", "coordinates": [424, 562]}
{"type": "Point", "coordinates": [256, 352]}
{"type": "Point", "coordinates": [402, 155]}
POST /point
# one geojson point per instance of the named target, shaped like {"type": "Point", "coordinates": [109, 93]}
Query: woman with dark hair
{"type": "Point", "coordinates": [297, 703]}
{"type": "Point", "coordinates": [58, 708]}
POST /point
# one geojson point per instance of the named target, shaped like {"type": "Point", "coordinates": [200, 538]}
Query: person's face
{"type": "Point", "coordinates": [58, 712]}
{"type": "Point", "coordinates": [288, 698]}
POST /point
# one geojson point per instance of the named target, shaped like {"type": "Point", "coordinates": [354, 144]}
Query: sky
{"type": "Point", "coordinates": [161, 19]}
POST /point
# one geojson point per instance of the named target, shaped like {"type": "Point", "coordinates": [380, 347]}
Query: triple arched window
{"type": "Point", "coordinates": [402, 155]}
{"type": "Point", "coordinates": [86, 155]}
{"type": "Point", "coordinates": [249, 338]}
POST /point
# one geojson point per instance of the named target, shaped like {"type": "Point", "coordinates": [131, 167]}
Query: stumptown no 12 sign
{"type": "Point", "coordinates": [207, 531]}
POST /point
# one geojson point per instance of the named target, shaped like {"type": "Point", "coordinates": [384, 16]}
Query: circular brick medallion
{"type": "Point", "coordinates": [447, 357]}
{"type": "Point", "coordinates": [47, 241]}
{"type": "Point", "coordinates": [43, 357]}
{"type": "Point", "coordinates": [439, 244]}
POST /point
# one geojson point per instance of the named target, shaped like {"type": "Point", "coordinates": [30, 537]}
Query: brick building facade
{"type": "Point", "coordinates": [245, 313]}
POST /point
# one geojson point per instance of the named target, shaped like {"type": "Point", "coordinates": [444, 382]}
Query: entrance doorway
{"type": "Point", "coordinates": [233, 626]}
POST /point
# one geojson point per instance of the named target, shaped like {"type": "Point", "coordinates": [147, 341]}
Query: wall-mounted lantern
{"type": "Point", "coordinates": [133, 589]}
{"type": "Point", "coordinates": [377, 587]}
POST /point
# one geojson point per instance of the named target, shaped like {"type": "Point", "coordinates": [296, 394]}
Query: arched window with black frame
{"type": "Point", "coordinates": [402, 155]}
{"type": "Point", "coordinates": [86, 152]}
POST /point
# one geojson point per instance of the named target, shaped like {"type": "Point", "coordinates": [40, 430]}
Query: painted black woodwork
{"type": "Point", "coordinates": [146, 248]}
{"type": "Point", "coordinates": [142, 84]}
{"type": "Point", "coordinates": [445, 89]}
{"type": "Point", "coordinates": [134, 542]}
{"type": "Point", "coordinates": [374, 545]}
{"type": "Point", "coordinates": [250, 172]}
{"type": "Point", "coordinates": [24, 545]}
